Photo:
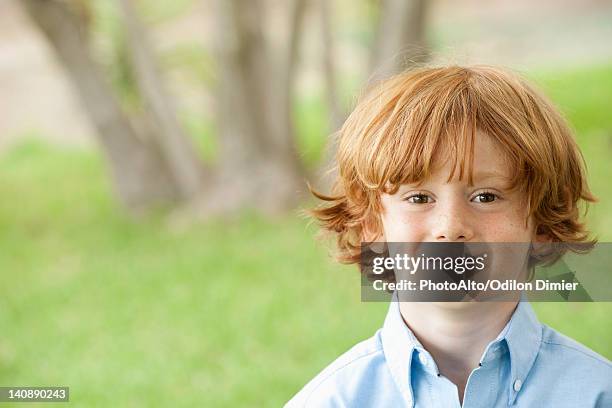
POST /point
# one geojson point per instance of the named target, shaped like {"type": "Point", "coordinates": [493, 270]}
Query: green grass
{"type": "Point", "coordinates": [142, 314]}
{"type": "Point", "coordinates": [218, 314]}
{"type": "Point", "coordinates": [584, 97]}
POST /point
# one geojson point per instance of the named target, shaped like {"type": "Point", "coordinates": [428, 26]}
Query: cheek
{"type": "Point", "coordinates": [404, 227]}
{"type": "Point", "coordinates": [504, 227]}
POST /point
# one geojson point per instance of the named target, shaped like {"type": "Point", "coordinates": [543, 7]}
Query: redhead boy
{"type": "Point", "coordinates": [458, 154]}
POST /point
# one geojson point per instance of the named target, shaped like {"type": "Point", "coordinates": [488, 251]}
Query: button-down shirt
{"type": "Point", "coordinates": [527, 365]}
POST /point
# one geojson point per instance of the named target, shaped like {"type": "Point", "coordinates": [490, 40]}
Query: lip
{"type": "Point", "coordinates": [474, 250]}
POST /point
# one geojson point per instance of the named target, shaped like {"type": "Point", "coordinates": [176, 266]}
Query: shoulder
{"type": "Point", "coordinates": [344, 377]}
{"type": "Point", "coordinates": [572, 366]}
{"type": "Point", "coordinates": [559, 346]}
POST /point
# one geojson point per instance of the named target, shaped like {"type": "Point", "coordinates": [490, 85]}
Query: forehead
{"type": "Point", "coordinates": [485, 159]}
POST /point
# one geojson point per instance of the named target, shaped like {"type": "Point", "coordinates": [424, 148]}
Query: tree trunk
{"type": "Point", "coordinates": [141, 175]}
{"type": "Point", "coordinates": [336, 113]}
{"type": "Point", "coordinates": [259, 166]}
{"type": "Point", "coordinates": [398, 44]}
{"type": "Point", "coordinates": [400, 38]}
{"type": "Point", "coordinates": [325, 172]}
{"type": "Point", "coordinates": [173, 143]}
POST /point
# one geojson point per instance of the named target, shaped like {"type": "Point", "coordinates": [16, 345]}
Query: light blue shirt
{"type": "Point", "coordinates": [527, 365]}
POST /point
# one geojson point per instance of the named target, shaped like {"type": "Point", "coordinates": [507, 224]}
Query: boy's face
{"type": "Point", "coordinates": [442, 211]}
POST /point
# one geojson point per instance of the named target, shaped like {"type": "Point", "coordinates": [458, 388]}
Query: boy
{"type": "Point", "coordinates": [458, 154]}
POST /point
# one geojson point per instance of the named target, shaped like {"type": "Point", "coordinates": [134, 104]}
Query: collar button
{"type": "Point", "coordinates": [517, 385]}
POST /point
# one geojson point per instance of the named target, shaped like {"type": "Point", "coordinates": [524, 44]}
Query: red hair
{"type": "Point", "coordinates": [397, 127]}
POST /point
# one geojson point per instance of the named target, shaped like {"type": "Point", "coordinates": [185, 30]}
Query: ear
{"type": "Point", "coordinates": [376, 239]}
{"type": "Point", "coordinates": [540, 243]}
{"type": "Point", "coordinates": [541, 236]}
{"type": "Point", "coordinates": [370, 231]}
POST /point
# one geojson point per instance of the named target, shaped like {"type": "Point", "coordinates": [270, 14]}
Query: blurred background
{"type": "Point", "coordinates": [153, 160]}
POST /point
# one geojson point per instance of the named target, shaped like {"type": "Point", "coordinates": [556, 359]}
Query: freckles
{"type": "Point", "coordinates": [509, 228]}
{"type": "Point", "coordinates": [399, 216]}
{"type": "Point", "coordinates": [401, 227]}
{"type": "Point", "coordinates": [405, 221]}
{"type": "Point", "coordinates": [501, 227]}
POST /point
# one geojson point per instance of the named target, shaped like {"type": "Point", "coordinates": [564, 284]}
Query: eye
{"type": "Point", "coordinates": [485, 197]}
{"type": "Point", "coordinates": [419, 199]}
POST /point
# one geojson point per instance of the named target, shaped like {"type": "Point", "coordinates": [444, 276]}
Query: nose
{"type": "Point", "coordinates": [452, 224]}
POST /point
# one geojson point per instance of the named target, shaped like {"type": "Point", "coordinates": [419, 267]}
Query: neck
{"type": "Point", "coordinates": [456, 334]}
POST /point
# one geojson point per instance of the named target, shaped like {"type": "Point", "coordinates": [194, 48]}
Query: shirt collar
{"type": "Point", "coordinates": [399, 344]}
{"type": "Point", "coordinates": [522, 334]}
{"type": "Point", "coordinates": [523, 338]}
